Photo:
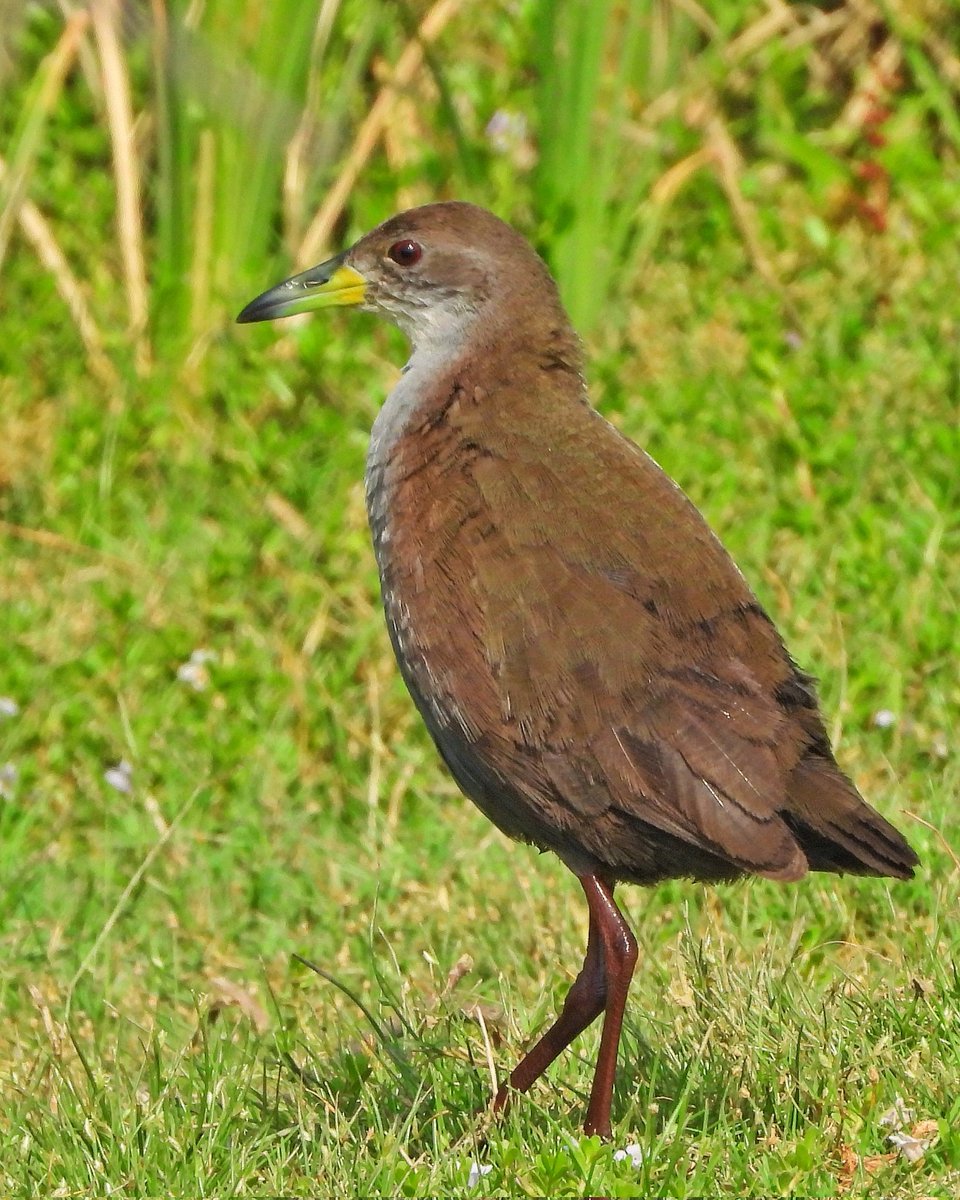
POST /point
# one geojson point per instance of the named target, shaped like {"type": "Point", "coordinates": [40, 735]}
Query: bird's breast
{"type": "Point", "coordinates": [425, 522]}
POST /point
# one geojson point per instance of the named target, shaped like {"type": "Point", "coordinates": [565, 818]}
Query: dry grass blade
{"type": "Point", "coordinates": [116, 88]}
{"type": "Point", "coordinates": [295, 169]}
{"type": "Point", "coordinates": [771, 25]}
{"type": "Point", "coordinates": [123, 899]}
{"type": "Point", "coordinates": [881, 70]}
{"type": "Point", "coordinates": [720, 154]}
{"type": "Point", "coordinates": [40, 236]}
{"type": "Point", "coordinates": [317, 236]}
{"type": "Point", "coordinates": [729, 166]}
{"type": "Point", "coordinates": [677, 176]}
{"type": "Point", "coordinates": [53, 71]}
{"type": "Point", "coordinates": [938, 833]}
{"type": "Point", "coordinates": [53, 541]}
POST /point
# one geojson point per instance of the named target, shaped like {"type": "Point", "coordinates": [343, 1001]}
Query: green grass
{"type": "Point", "coordinates": [157, 1032]}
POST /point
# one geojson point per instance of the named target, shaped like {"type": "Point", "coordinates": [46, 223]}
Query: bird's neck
{"type": "Point", "coordinates": [420, 384]}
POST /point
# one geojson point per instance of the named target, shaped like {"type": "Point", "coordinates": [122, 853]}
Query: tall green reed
{"type": "Point", "coordinates": [599, 66]}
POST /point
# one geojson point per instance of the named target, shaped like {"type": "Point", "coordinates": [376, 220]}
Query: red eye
{"type": "Point", "coordinates": [405, 253]}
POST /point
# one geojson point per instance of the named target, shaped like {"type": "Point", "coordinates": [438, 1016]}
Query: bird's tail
{"type": "Point", "coordinates": [837, 830]}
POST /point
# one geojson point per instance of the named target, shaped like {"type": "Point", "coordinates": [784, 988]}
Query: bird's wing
{"type": "Point", "coordinates": [681, 730]}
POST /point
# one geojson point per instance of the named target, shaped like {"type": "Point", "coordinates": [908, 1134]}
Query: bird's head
{"type": "Point", "coordinates": [433, 271]}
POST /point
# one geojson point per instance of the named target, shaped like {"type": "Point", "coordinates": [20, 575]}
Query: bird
{"type": "Point", "coordinates": [592, 666]}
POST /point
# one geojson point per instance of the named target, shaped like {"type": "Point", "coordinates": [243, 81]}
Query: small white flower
{"type": "Point", "coordinates": [884, 718]}
{"type": "Point", "coordinates": [505, 129]}
{"type": "Point", "coordinates": [634, 1152]}
{"type": "Point", "coordinates": [477, 1172]}
{"type": "Point", "coordinates": [8, 707]}
{"type": "Point", "coordinates": [194, 671]}
{"type": "Point", "coordinates": [120, 777]}
{"type": "Point", "coordinates": [509, 134]}
{"type": "Point", "coordinates": [912, 1148]}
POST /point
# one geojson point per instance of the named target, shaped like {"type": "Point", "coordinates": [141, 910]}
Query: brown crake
{"type": "Point", "coordinates": [592, 666]}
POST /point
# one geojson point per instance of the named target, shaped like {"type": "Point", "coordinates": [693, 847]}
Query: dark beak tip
{"type": "Point", "coordinates": [250, 312]}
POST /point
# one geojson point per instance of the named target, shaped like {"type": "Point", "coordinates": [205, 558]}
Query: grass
{"type": "Point", "coordinates": [157, 1031]}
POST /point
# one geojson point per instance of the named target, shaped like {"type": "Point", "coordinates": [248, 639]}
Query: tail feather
{"type": "Point", "coordinates": [837, 830]}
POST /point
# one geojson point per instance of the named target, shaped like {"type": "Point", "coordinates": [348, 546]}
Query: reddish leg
{"type": "Point", "coordinates": [620, 957]}
{"type": "Point", "coordinates": [583, 1004]}
{"type": "Point", "coordinates": [601, 985]}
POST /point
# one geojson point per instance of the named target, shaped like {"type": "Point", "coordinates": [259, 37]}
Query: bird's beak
{"type": "Point", "coordinates": [332, 283]}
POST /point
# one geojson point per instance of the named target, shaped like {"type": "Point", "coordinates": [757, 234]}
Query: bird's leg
{"type": "Point", "coordinates": [620, 957]}
{"type": "Point", "coordinates": [583, 1004]}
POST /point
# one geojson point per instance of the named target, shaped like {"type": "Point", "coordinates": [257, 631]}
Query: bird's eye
{"type": "Point", "coordinates": [405, 253]}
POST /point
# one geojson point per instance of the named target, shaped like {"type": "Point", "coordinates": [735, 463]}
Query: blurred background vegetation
{"type": "Point", "coordinates": [206, 759]}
